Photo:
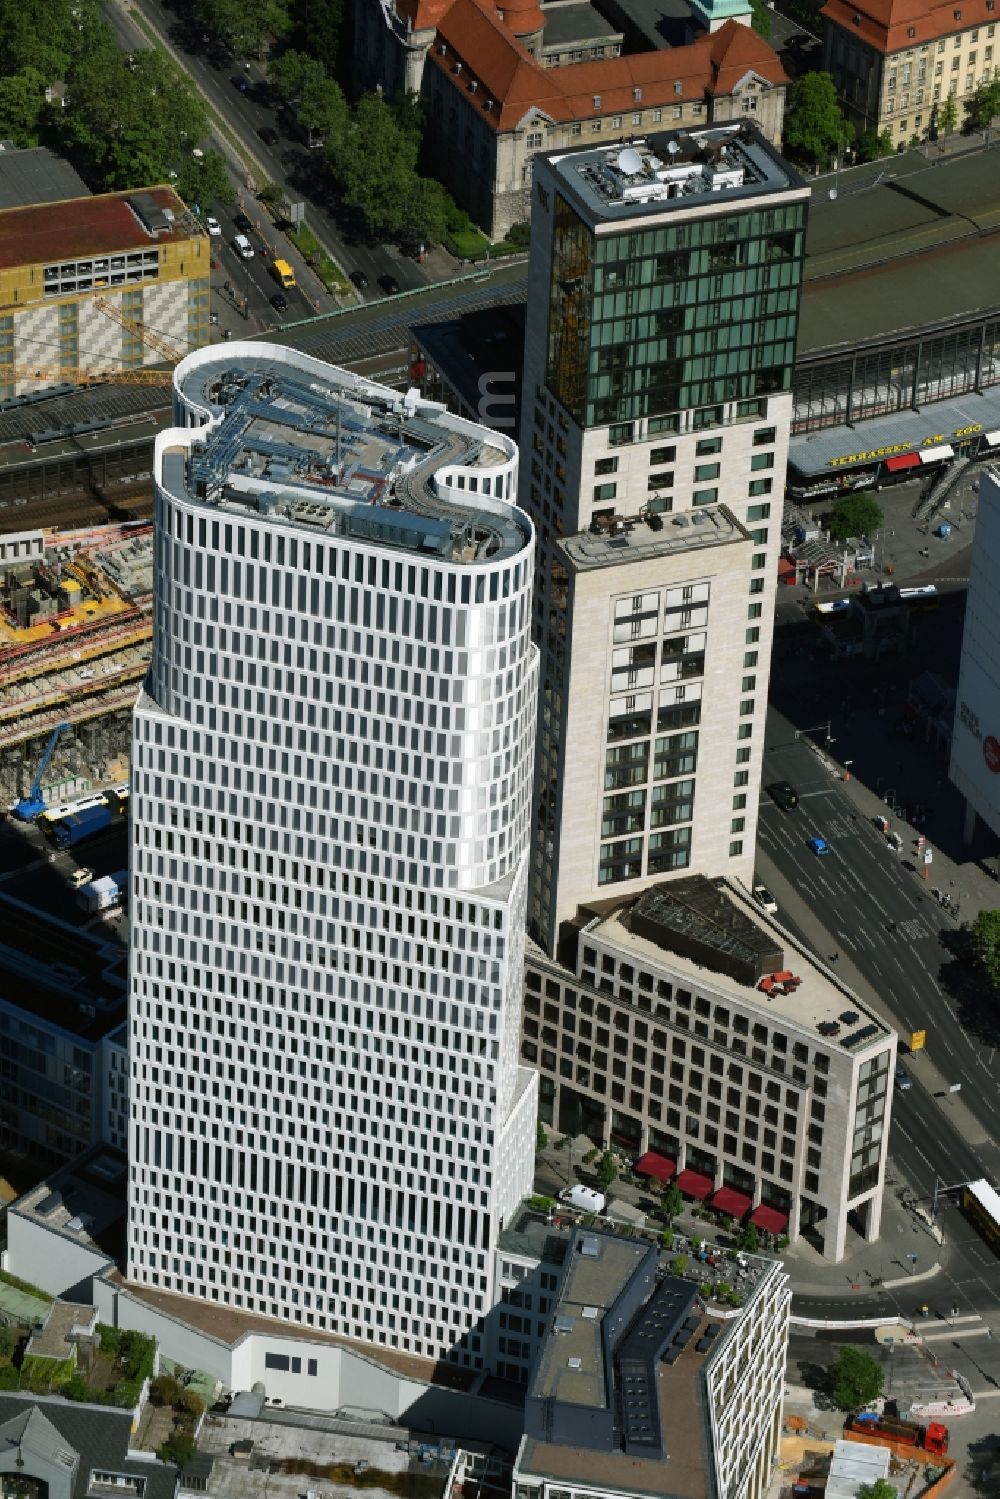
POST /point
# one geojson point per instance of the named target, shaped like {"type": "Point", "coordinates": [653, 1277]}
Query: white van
{"type": "Point", "coordinates": [585, 1199]}
{"type": "Point", "coordinates": [243, 247]}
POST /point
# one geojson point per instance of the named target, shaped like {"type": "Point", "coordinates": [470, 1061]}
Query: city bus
{"type": "Point", "coordinates": [981, 1204]}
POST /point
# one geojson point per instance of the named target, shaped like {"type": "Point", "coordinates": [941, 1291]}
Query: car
{"type": "Point", "coordinates": [243, 224]}
{"type": "Point", "coordinates": [241, 84]}
{"type": "Point", "coordinates": [389, 285]}
{"type": "Point", "coordinates": [903, 1078]}
{"type": "Point", "coordinates": [765, 899]}
{"type": "Point", "coordinates": [243, 247]}
{"type": "Point", "coordinates": [81, 877]}
{"type": "Point", "coordinates": [269, 135]}
{"type": "Point", "coordinates": [784, 793]}
{"type": "Point", "coordinates": [819, 846]}
{"type": "Point", "coordinates": [279, 302]}
{"type": "Point", "coordinates": [360, 280]}
{"type": "Point", "coordinates": [212, 225]}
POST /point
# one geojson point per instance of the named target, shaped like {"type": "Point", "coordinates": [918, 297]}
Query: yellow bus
{"type": "Point", "coordinates": [282, 273]}
{"type": "Point", "coordinates": [981, 1204]}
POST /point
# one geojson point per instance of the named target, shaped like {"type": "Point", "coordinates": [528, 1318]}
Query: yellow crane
{"type": "Point", "coordinates": [59, 374]}
{"type": "Point", "coordinates": [149, 336]}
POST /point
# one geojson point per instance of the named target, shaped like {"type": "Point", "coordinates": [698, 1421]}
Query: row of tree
{"type": "Point", "coordinates": [122, 120]}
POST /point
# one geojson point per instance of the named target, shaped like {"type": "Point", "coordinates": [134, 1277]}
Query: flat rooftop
{"type": "Point", "coordinates": [84, 1201]}
{"type": "Point", "coordinates": [71, 978]}
{"type": "Point", "coordinates": [617, 1395]}
{"type": "Point", "coordinates": [37, 175]}
{"type": "Point", "coordinates": [820, 999]}
{"type": "Point", "coordinates": [331, 453]}
{"type": "Point", "coordinates": [77, 227]}
{"type": "Point", "coordinates": [569, 22]}
{"type": "Point", "coordinates": [671, 170]}
{"type": "Point", "coordinates": [651, 537]}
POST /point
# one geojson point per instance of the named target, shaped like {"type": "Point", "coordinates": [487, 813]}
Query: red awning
{"type": "Point", "coordinates": [769, 1219]}
{"type": "Point", "coordinates": [902, 460]}
{"type": "Point", "coordinates": [693, 1184]}
{"type": "Point", "coordinates": [660, 1166]}
{"type": "Point", "coordinates": [728, 1200]}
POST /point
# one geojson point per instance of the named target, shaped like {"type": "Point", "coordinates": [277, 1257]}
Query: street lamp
{"type": "Point", "coordinates": [826, 727]}
{"type": "Point", "coordinates": [913, 1263]}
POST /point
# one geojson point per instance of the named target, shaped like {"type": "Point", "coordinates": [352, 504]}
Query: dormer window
{"type": "Point", "coordinates": [637, 95]}
{"type": "Point", "coordinates": [957, 14]}
{"type": "Point", "coordinates": [911, 31]}
{"type": "Point", "coordinates": [678, 88]}
{"type": "Point", "coordinates": [443, 49]}
{"type": "Point", "coordinates": [457, 68]}
{"type": "Point", "coordinates": [597, 101]}
{"type": "Point", "coordinates": [857, 20]}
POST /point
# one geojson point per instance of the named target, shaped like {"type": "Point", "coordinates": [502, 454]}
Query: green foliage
{"type": "Point", "coordinates": [672, 1201]}
{"type": "Point", "coordinates": [190, 1402]}
{"type": "Point", "coordinates": [50, 36]}
{"type": "Point", "coordinates": [540, 1204]}
{"type": "Point", "coordinates": [164, 1390]}
{"type": "Point", "coordinates": [22, 106]}
{"type": "Point", "coordinates": [41, 1375]}
{"type": "Point", "coordinates": [316, 101]}
{"type": "Point", "coordinates": [9, 1377]}
{"type": "Point", "coordinates": [984, 933]}
{"type": "Point", "coordinates": [857, 1379]}
{"type": "Point", "coordinates": [854, 515]}
{"type": "Point", "coordinates": [519, 235]}
{"type": "Point", "coordinates": [607, 1171]}
{"type": "Point", "coordinates": [541, 1137]}
{"type": "Point", "coordinates": [760, 18]}
{"type": "Point", "coordinates": [814, 125]}
{"type": "Point", "coordinates": [880, 1489]}
{"type": "Point", "coordinates": [25, 1286]}
{"type": "Point", "coordinates": [308, 245]}
{"type": "Point", "coordinates": [947, 117]}
{"type": "Point", "coordinates": [8, 1342]}
{"type": "Point", "coordinates": [984, 106]}
{"type": "Point", "coordinates": [667, 1239]}
{"type": "Point", "coordinates": [204, 180]}
{"type": "Point", "coordinates": [696, 1243]}
{"type": "Point", "coordinates": [245, 28]}
{"type": "Point", "coordinates": [319, 26]}
{"type": "Point", "coordinates": [179, 1448]}
{"type": "Point", "coordinates": [875, 144]}
{"type": "Point", "coordinates": [678, 1264]}
{"type": "Point", "coordinates": [750, 1238]}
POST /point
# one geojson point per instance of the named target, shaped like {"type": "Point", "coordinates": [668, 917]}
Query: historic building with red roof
{"type": "Point", "coordinates": [505, 80]}
{"type": "Point", "coordinates": [895, 62]}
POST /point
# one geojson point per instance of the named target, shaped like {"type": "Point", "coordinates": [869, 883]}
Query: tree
{"type": "Point", "coordinates": [7, 1342]}
{"type": "Point", "coordinates": [607, 1171]}
{"type": "Point", "coordinates": [375, 162]}
{"type": "Point", "coordinates": [191, 1402]}
{"type": "Point", "coordinates": [854, 515]}
{"type": "Point", "coordinates": [750, 1238]}
{"type": "Point", "coordinates": [672, 1201]}
{"type": "Point", "coordinates": [22, 105]}
{"type": "Point", "coordinates": [204, 179]}
{"type": "Point", "coordinates": [179, 1448]}
{"type": "Point", "coordinates": [760, 18]}
{"type": "Point", "coordinates": [984, 106]}
{"type": "Point", "coordinates": [985, 935]}
{"type": "Point", "coordinates": [541, 1138]}
{"type": "Point", "coordinates": [875, 144]}
{"type": "Point", "coordinates": [678, 1264]}
{"type": "Point", "coordinates": [318, 103]}
{"type": "Point", "coordinates": [164, 1390]}
{"type": "Point", "coordinates": [319, 25]}
{"type": "Point", "coordinates": [880, 1489]}
{"type": "Point", "coordinates": [814, 124]}
{"type": "Point", "coordinates": [244, 27]}
{"type": "Point", "coordinates": [857, 1379]}
{"type": "Point", "coordinates": [947, 116]}
{"type": "Point", "coordinates": [52, 36]}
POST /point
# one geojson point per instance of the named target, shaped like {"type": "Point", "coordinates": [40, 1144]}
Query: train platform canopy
{"type": "Point", "coordinates": [905, 439]}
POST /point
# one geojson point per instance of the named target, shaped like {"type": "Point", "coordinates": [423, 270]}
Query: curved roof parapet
{"type": "Point", "coordinates": [277, 432]}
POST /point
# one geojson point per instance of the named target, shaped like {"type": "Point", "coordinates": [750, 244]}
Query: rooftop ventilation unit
{"type": "Point", "coordinates": [590, 1313]}
{"type": "Point", "coordinates": [590, 1247]}
{"type": "Point", "coordinates": [574, 1363]}
{"type": "Point", "coordinates": [563, 1324]}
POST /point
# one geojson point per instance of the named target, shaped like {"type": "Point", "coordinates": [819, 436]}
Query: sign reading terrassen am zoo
{"type": "Point", "coordinates": [905, 447]}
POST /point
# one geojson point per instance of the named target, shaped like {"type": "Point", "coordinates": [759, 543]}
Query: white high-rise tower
{"type": "Point", "coordinates": [331, 787]}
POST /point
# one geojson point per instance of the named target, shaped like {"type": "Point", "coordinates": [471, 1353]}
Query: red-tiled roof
{"type": "Point", "coordinates": [422, 14]}
{"type": "Point", "coordinates": [480, 51]}
{"type": "Point", "coordinates": [886, 24]}
{"type": "Point", "coordinates": [79, 227]}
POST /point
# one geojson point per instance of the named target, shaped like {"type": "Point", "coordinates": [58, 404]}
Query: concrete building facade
{"type": "Point", "coordinates": [663, 298]}
{"type": "Point", "coordinates": [782, 1100]}
{"type": "Point", "coordinates": [331, 773]}
{"type": "Point", "coordinates": [975, 746]}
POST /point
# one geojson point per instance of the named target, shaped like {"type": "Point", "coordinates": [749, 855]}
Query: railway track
{"type": "Point", "coordinates": [81, 508]}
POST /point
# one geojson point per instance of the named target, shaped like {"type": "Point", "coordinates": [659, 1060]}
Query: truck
{"type": "Point", "coordinates": [584, 1199]}
{"type": "Point", "coordinates": [282, 273]}
{"type": "Point", "coordinates": [71, 830]}
{"type": "Point", "coordinates": [930, 1438]}
{"type": "Point", "coordinates": [104, 894]}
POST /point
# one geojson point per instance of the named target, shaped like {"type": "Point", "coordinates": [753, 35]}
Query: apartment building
{"type": "Point", "coordinates": [98, 284]}
{"type": "Point", "coordinates": [664, 1032]}
{"type": "Point", "coordinates": [504, 85]}
{"type": "Point", "coordinates": [895, 66]}
{"type": "Point", "coordinates": [663, 294]}
{"type": "Point", "coordinates": [640, 1389]}
{"type": "Point", "coordinates": [331, 771]}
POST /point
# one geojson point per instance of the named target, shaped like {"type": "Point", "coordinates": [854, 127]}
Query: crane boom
{"type": "Point", "coordinates": [149, 337]}
{"type": "Point", "coordinates": [60, 374]}
{"type": "Point", "coordinates": [33, 805]}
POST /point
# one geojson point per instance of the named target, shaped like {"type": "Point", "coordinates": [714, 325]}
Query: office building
{"type": "Point", "coordinates": [99, 284]}
{"type": "Point", "coordinates": [896, 65]}
{"type": "Point", "coordinates": [688, 1029]}
{"type": "Point", "coordinates": [504, 84]}
{"type": "Point", "coordinates": [975, 745]}
{"type": "Point", "coordinates": [641, 1389]}
{"type": "Point", "coordinates": [331, 772]}
{"type": "Point", "coordinates": [663, 296]}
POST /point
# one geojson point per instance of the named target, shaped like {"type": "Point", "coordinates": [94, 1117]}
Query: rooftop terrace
{"type": "Point", "coordinates": [331, 453]}
{"type": "Point", "coordinates": [671, 169]}
{"type": "Point", "coordinates": [653, 536]}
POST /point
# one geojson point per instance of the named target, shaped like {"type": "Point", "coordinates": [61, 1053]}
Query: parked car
{"type": "Point", "coordinates": [389, 285]}
{"type": "Point", "coordinates": [269, 135]}
{"type": "Point", "coordinates": [360, 280]}
{"type": "Point", "coordinates": [212, 225]}
{"type": "Point", "coordinates": [784, 793]}
{"type": "Point", "coordinates": [243, 224]}
{"type": "Point", "coordinates": [243, 247]}
{"type": "Point", "coordinates": [241, 84]}
{"type": "Point", "coordinates": [819, 846]}
{"type": "Point", "coordinates": [903, 1078]}
{"type": "Point", "coordinates": [765, 899]}
{"type": "Point", "coordinates": [279, 302]}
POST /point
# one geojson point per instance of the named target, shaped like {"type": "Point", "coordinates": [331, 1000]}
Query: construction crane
{"type": "Point", "coordinates": [33, 805]}
{"type": "Point", "coordinates": [148, 336]}
{"type": "Point", "coordinates": [58, 374]}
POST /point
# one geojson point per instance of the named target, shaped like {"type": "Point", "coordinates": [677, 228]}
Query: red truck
{"type": "Point", "coordinates": [931, 1438]}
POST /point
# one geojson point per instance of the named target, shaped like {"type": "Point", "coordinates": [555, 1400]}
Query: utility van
{"type": "Point", "coordinates": [584, 1199]}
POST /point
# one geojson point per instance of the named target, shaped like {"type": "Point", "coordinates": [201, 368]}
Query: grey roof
{"type": "Point", "coordinates": [31, 1431]}
{"type": "Point", "coordinates": [570, 21]}
{"type": "Point", "coordinates": [98, 1435]}
{"type": "Point", "coordinates": [36, 175]}
{"type": "Point", "coordinates": [902, 432]}
{"type": "Point", "coordinates": [656, 23]}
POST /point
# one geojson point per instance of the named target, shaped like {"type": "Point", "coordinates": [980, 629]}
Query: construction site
{"type": "Point", "coordinates": [75, 630]}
